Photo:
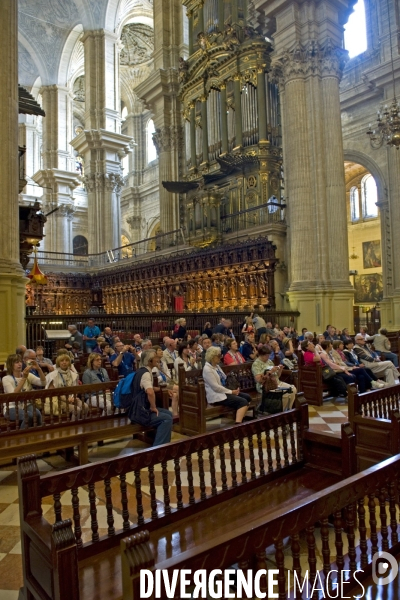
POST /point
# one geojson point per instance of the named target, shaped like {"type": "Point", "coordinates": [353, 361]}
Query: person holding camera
{"type": "Point", "coordinates": [22, 380]}
{"type": "Point", "coordinates": [266, 375]}
{"type": "Point", "coordinates": [124, 359]}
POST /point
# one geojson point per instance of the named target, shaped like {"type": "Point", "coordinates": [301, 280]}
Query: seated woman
{"type": "Point", "coordinates": [336, 385]}
{"type": "Point", "coordinates": [364, 381]}
{"type": "Point", "coordinates": [342, 372]}
{"type": "Point", "coordinates": [320, 339]}
{"type": "Point", "coordinates": [264, 364]}
{"type": "Point", "coordinates": [264, 340]}
{"type": "Point", "coordinates": [184, 359]}
{"type": "Point", "coordinates": [290, 360]}
{"type": "Point", "coordinates": [106, 350]}
{"type": "Point", "coordinates": [207, 329]}
{"type": "Point", "coordinates": [216, 392]}
{"type": "Point", "coordinates": [96, 374]}
{"type": "Point", "coordinates": [232, 356]}
{"type": "Point", "coordinates": [164, 377]}
{"type": "Point", "coordinates": [345, 336]}
{"type": "Point", "coordinates": [18, 380]}
{"type": "Point", "coordinates": [65, 375]}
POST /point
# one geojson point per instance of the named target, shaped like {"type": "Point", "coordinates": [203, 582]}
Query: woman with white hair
{"type": "Point", "coordinates": [216, 392]}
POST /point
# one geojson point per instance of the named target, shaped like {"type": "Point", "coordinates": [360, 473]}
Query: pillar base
{"type": "Point", "coordinates": [318, 308]}
{"type": "Point", "coordinates": [12, 307]}
{"type": "Point", "coordinates": [390, 313]}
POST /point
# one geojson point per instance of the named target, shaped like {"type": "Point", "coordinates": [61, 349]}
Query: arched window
{"type": "Point", "coordinates": [125, 165]}
{"type": "Point", "coordinates": [124, 113]}
{"type": "Point", "coordinates": [355, 31]}
{"type": "Point", "coordinates": [80, 246]}
{"type": "Point", "coordinates": [369, 196]}
{"type": "Point", "coordinates": [354, 204]}
{"type": "Point", "coordinates": [151, 149]}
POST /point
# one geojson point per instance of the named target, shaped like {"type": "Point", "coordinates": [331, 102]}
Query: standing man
{"type": "Point", "coordinates": [75, 337]}
{"type": "Point", "coordinates": [90, 333]}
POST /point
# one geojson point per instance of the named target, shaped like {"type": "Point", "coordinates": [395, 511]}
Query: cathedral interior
{"type": "Point", "coordinates": [166, 132]}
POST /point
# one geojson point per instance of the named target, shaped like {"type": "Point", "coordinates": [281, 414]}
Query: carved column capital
{"type": "Point", "coordinates": [134, 222]}
{"type": "Point", "coordinates": [312, 58]}
{"type": "Point", "coordinates": [168, 138]}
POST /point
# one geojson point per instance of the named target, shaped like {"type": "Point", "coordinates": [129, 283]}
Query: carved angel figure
{"type": "Point", "coordinates": [183, 70]}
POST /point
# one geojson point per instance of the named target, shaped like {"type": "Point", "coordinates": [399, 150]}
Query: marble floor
{"type": "Point", "coordinates": [325, 418]}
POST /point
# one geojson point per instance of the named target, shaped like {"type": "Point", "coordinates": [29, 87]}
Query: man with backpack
{"type": "Point", "coordinates": [135, 393]}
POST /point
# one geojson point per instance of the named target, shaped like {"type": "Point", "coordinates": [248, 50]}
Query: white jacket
{"type": "Point", "coordinates": [215, 391]}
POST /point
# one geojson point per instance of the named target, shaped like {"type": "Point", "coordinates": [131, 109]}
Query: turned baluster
{"type": "Point", "coordinates": [338, 539]}
{"type": "Point", "coordinates": [261, 563]}
{"type": "Point", "coordinates": [350, 510]}
{"type": "Point", "coordinates": [260, 453]}
{"type": "Point", "coordinates": [280, 563]}
{"type": "Point", "coordinates": [178, 483]}
{"type": "Point", "coordinates": [153, 498]}
{"type": "Point", "coordinates": [124, 503]}
{"type": "Point", "coordinates": [292, 443]}
{"type": "Point", "coordinates": [224, 479]}
{"type": "Point", "coordinates": [57, 507]}
{"type": "Point", "coordinates": [109, 507]}
{"type": "Point", "coordinates": [380, 411]}
{"type": "Point", "coordinates": [190, 478]}
{"type": "Point", "coordinates": [285, 446]}
{"type": "Point", "coordinates": [203, 494]}
{"type": "Point", "coordinates": [214, 490]}
{"type": "Point", "coordinates": [251, 457]}
{"type": "Point", "coordinates": [269, 451]}
{"type": "Point", "coordinates": [76, 517]}
{"type": "Point", "coordinates": [295, 548]}
{"type": "Point", "coordinates": [372, 523]}
{"type": "Point", "coordinates": [383, 516]}
{"type": "Point", "coordinates": [93, 513]}
{"type": "Point", "coordinates": [363, 533]}
{"type": "Point", "coordinates": [139, 503]}
{"type": "Point", "coordinates": [326, 553]}
{"type": "Point", "coordinates": [277, 449]}
{"type": "Point", "coordinates": [392, 511]}
{"type": "Point", "coordinates": [233, 464]}
{"type": "Point", "coordinates": [242, 461]}
{"type": "Point", "coordinates": [167, 507]}
{"type": "Point", "coordinates": [312, 559]}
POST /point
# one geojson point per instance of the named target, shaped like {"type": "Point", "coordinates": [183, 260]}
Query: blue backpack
{"type": "Point", "coordinates": [123, 391]}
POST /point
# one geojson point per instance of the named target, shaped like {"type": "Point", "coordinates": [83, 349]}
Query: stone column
{"type": "Point", "coordinates": [12, 279]}
{"type": "Point", "coordinates": [310, 70]}
{"type": "Point", "coordinates": [161, 93]}
{"type": "Point", "coordinates": [168, 141]}
{"type": "Point", "coordinates": [101, 143]}
{"type": "Point", "coordinates": [58, 189]}
{"type": "Point", "coordinates": [390, 214]}
{"type": "Point", "coordinates": [58, 176]}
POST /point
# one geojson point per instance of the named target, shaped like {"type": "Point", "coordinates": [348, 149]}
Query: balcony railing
{"type": "Point", "coordinates": [265, 214]}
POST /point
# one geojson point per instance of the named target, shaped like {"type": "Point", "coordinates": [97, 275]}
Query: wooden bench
{"type": "Point", "coordinates": [264, 463]}
{"type": "Point", "coordinates": [375, 420]}
{"type": "Point", "coordinates": [60, 431]}
{"type": "Point", "coordinates": [311, 382]}
{"type": "Point", "coordinates": [193, 407]}
{"type": "Point", "coordinates": [289, 536]}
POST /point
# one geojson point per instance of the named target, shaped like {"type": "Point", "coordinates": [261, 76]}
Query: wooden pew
{"type": "Point", "coordinates": [59, 431]}
{"type": "Point", "coordinates": [263, 462]}
{"type": "Point", "coordinates": [311, 382]}
{"type": "Point", "coordinates": [193, 407]}
{"type": "Point", "coordinates": [375, 420]}
{"type": "Point", "coordinates": [365, 510]}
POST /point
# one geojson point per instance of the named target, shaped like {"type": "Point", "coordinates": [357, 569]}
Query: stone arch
{"type": "Point", "coordinates": [367, 162]}
{"type": "Point", "coordinates": [66, 69]}
{"type": "Point", "coordinates": [35, 56]}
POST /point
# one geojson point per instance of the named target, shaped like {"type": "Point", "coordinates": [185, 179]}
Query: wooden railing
{"type": "Point", "coordinates": [376, 403]}
{"type": "Point", "coordinates": [145, 323]}
{"type": "Point", "coordinates": [272, 445]}
{"type": "Point", "coordinates": [54, 407]}
{"type": "Point", "coordinates": [365, 512]}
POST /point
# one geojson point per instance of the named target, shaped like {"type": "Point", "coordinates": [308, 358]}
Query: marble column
{"type": "Point", "coordinates": [12, 278]}
{"type": "Point", "coordinates": [101, 143]}
{"type": "Point", "coordinates": [310, 72]}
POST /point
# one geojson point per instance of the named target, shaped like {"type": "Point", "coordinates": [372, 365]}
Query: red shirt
{"type": "Point", "coordinates": [233, 359]}
{"type": "Point", "coordinates": [309, 358]}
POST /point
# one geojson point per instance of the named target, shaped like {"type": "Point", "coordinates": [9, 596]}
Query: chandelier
{"type": "Point", "coordinates": [388, 127]}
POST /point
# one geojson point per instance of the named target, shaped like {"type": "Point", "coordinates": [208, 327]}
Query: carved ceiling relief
{"type": "Point", "coordinates": [138, 44]}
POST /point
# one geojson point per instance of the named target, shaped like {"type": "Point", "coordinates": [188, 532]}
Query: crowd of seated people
{"type": "Point", "coordinates": [269, 347]}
